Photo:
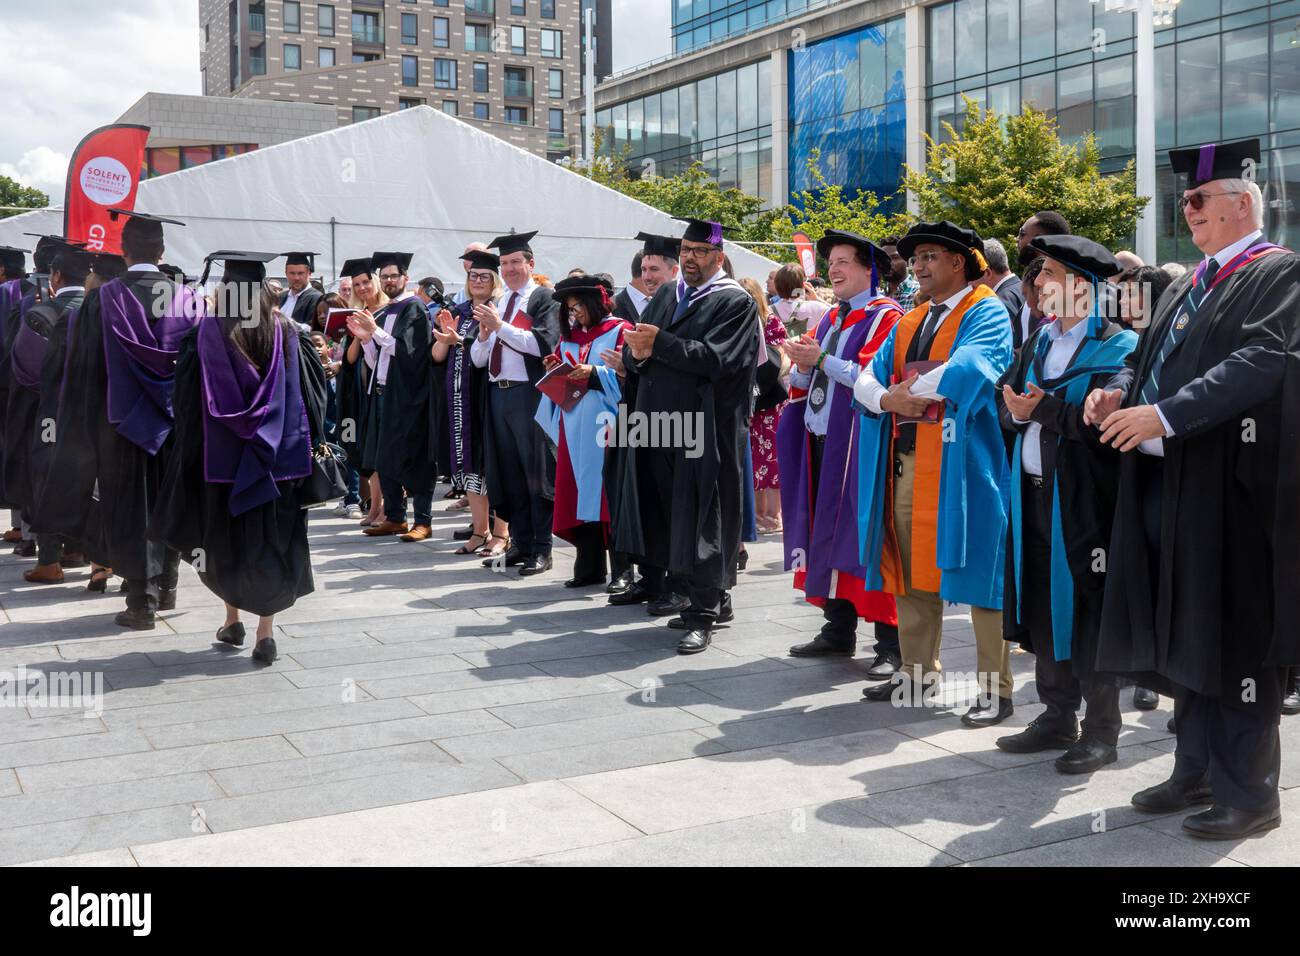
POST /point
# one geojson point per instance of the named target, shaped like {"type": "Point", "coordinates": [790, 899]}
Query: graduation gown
{"type": "Point", "coordinates": [12, 295]}
{"type": "Point", "coordinates": [351, 408]}
{"type": "Point", "coordinates": [397, 429]}
{"type": "Point", "coordinates": [458, 403]}
{"type": "Point", "coordinates": [102, 485]}
{"type": "Point", "coordinates": [1082, 474]}
{"type": "Point", "coordinates": [257, 560]}
{"type": "Point", "coordinates": [702, 369]}
{"type": "Point", "coordinates": [1207, 620]}
{"type": "Point", "coordinates": [24, 434]}
{"type": "Point", "coordinates": [47, 410]}
{"type": "Point", "coordinates": [304, 310]}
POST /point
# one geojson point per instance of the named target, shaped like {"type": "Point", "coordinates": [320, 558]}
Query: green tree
{"type": "Point", "coordinates": [998, 171]}
{"type": "Point", "coordinates": [825, 206]}
{"type": "Point", "coordinates": [15, 194]}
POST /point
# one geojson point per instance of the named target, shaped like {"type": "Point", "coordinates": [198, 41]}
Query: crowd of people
{"type": "Point", "coordinates": [1097, 456]}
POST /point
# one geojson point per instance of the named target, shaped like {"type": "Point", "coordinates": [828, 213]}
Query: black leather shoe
{"type": "Point", "coordinates": [137, 619]}
{"type": "Point", "coordinates": [987, 715]}
{"type": "Point", "coordinates": [621, 583]}
{"type": "Point", "coordinates": [511, 559]}
{"type": "Point", "coordinates": [167, 599]}
{"type": "Point", "coordinates": [1086, 756]}
{"type": "Point", "coordinates": [1225, 823]}
{"type": "Point", "coordinates": [819, 646]}
{"type": "Point", "coordinates": [884, 667]}
{"type": "Point", "coordinates": [535, 564]}
{"type": "Point", "coordinates": [25, 549]}
{"type": "Point", "coordinates": [1170, 726]}
{"type": "Point", "coordinates": [668, 605]}
{"type": "Point", "coordinates": [233, 635]}
{"type": "Point", "coordinates": [694, 642]}
{"type": "Point", "coordinates": [726, 617]}
{"type": "Point", "coordinates": [266, 652]}
{"type": "Point", "coordinates": [1145, 699]}
{"type": "Point", "coordinates": [583, 582]}
{"type": "Point", "coordinates": [1291, 702]}
{"type": "Point", "coordinates": [1036, 738]}
{"type": "Point", "coordinates": [464, 534]}
{"type": "Point", "coordinates": [633, 595]}
{"type": "Point", "coordinates": [1171, 796]}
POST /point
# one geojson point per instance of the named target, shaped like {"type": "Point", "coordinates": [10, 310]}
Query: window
{"type": "Point", "coordinates": [517, 84]}
{"type": "Point", "coordinates": [410, 29]}
{"type": "Point", "coordinates": [444, 74]}
{"type": "Point", "coordinates": [451, 107]}
{"type": "Point", "coordinates": [362, 113]}
{"type": "Point", "coordinates": [548, 10]}
{"type": "Point", "coordinates": [325, 19]}
{"type": "Point", "coordinates": [519, 8]}
{"type": "Point", "coordinates": [441, 32]}
{"type": "Point", "coordinates": [257, 60]}
{"type": "Point", "coordinates": [410, 71]}
{"type": "Point", "coordinates": [292, 17]}
{"type": "Point", "coordinates": [365, 28]}
{"type": "Point", "coordinates": [481, 111]}
{"type": "Point", "coordinates": [478, 38]}
{"type": "Point", "coordinates": [408, 103]}
{"type": "Point", "coordinates": [365, 57]}
{"type": "Point", "coordinates": [292, 56]}
{"type": "Point", "coordinates": [517, 115]}
{"type": "Point", "coordinates": [556, 121]}
{"type": "Point", "coordinates": [555, 84]}
{"type": "Point", "coordinates": [552, 43]}
{"type": "Point", "coordinates": [480, 77]}
{"type": "Point", "coordinates": [518, 40]}
{"type": "Point", "coordinates": [325, 56]}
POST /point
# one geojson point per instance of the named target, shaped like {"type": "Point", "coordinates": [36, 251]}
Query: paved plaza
{"type": "Point", "coordinates": [426, 710]}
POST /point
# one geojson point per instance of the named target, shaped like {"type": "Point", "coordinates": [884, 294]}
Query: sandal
{"type": "Point", "coordinates": [494, 552]}
{"type": "Point", "coordinates": [469, 547]}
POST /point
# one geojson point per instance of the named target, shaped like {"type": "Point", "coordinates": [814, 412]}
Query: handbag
{"type": "Point", "coordinates": [769, 390]}
{"type": "Point", "coordinates": [328, 478]}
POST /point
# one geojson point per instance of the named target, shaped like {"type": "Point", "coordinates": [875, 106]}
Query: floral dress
{"type": "Point", "coordinates": [762, 429]}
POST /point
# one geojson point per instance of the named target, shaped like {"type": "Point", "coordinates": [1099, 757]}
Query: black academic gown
{"type": "Point", "coordinates": [702, 366]}
{"type": "Point", "coordinates": [47, 410]}
{"type": "Point", "coordinates": [351, 406]}
{"type": "Point", "coordinates": [441, 415]}
{"type": "Point", "coordinates": [401, 440]}
{"type": "Point", "coordinates": [258, 561]}
{"type": "Point", "coordinates": [304, 311]}
{"type": "Point", "coordinates": [544, 311]}
{"type": "Point", "coordinates": [1087, 473]}
{"type": "Point", "coordinates": [24, 435]}
{"type": "Point", "coordinates": [90, 455]}
{"type": "Point", "coordinates": [1208, 619]}
{"type": "Point", "coordinates": [8, 329]}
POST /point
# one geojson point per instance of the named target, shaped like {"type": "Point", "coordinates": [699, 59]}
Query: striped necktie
{"type": "Point", "coordinates": [1150, 393]}
{"type": "Point", "coordinates": [820, 386]}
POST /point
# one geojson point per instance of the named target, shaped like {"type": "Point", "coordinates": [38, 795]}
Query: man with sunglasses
{"type": "Point", "coordinates": [1201, 598]}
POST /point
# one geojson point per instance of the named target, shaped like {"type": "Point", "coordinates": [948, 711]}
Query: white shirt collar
{"type": "Point", "coordinates": [639, 298]}
{"type": "Point", "coordinates": [1224, 256]}
{"type": "Point", "coordinates": [524, 294]}
{"type": "Point", "coordinates": [142, 267]}
{"type": "Point", "coordinates": [950, 304]}
{"type": "Point", "coordinates": [70, 288]}
{"type": "Point", "coordinates": [1076, 332]}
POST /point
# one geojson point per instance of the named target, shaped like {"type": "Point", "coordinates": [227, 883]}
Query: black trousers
{"type": "Point", "coordinates": [49, 548]}
{"type": "Point", "coordinates": [143, 593]}
{"type": "Point", "coordinates": [520, 477]}
{"type": "Point", "coordinates": [395, 501]}
{"type": "Point", "coordinates": [1060, 690]}
{"type": "Point", "coordinates": [841, 617]}
{"type": "Point", "coordinates": [589, 540]}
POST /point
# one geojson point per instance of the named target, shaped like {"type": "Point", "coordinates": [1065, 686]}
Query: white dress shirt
{"type": "Point", "coordinates": [514, 340]}
{"type": "Point", "coordinates": [868, 391]}
{"type": "Point", "coordinates": [291, 302]}
{"type": "Point", "coordinates": [639, 299]}
{"type": "Point", "coordinates": [1156, 446]}
{"type": "Point", "coordinates": [1057, 360]}
{"type": "Point", "coordinates": [379, 350]}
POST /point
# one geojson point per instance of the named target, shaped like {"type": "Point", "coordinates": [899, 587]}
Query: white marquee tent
{"type": "Point", "coordinates": [417, 180]}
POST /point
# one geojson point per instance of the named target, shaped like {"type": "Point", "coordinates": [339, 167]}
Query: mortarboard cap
{"type": "Point", "coordinates": [175, 273]}
{"type": "Point", "coordinates": [702, 230]}
{"type": "Point", "coordinates": [1213, 161]}
{"type": "Point", "coordinates": [241, 266]}
{"type": "Point", "coordinates": [142, 225]}
{"type": "Point", "coordinates": [47, 247]}
{"type": "Point", "coordinates": [670, 247]}
{"type": "Point", "coordinates": [482, 259]}
{"type": "Point", "coordinates": [356, 267]}
{"type": "Point", "coordinates": [14, 261]}
{"type": "Point", "coordinates": [107, 266]}
{"type": "Point", "coordinates": [307, 259]}
{"type": "Point", "coordinates": [515, 242]}
{"type": "Point", "coordinates": [1079, 254]}
{"type": "Point", "coordinates": [402, 260]}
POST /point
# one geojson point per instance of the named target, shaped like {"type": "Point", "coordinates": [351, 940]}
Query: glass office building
{"type": "Point", "coordinates": [1226, 69]}
{"type": "Point", "coordinates": [697, 23]}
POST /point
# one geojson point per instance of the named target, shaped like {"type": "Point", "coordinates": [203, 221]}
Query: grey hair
{"type": "Point", "coordinates": [995, 254]}
{"type": "Point", "coordinates": [1250, 187]}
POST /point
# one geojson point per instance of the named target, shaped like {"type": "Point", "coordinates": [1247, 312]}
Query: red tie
{"type": "Point", "coordinates": [494, 363]}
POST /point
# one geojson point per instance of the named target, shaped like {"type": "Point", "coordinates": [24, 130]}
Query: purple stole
{"type": "Point", "coordinates": [26, 357]}
{"type": "Point", "coordinates": [255, 429]}
{"type": "Point", "coordinates": [140, 359]}
{"type": "Point", "coordinates": [833, 544]}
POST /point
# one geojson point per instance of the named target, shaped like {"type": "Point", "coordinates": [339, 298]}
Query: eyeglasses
{"type": "Point", "coordinates": [1197, 199]}
{"type": "Point", "coordinates": [390, 275]}
{"type": "Point", "coordinates": [479, 276]}
{"type": "Point", "coordinates": [925, 258]}
{"type": "Point", "coordinates": [699, 252]}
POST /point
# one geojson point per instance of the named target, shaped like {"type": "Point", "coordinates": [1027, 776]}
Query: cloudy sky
{"type": "Point", "coordinates": [111, 52]}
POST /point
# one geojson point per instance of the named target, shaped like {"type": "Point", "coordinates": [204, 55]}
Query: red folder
{"type": "Point", "coordinates": [336, 323]}
{"type": "Point", "coordinates": [934, 411]}
{"type": "Point", "coordinates": [559, 388]}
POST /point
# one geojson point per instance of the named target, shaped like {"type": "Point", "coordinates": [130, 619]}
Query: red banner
{"type": "Point", "coordinates": [803, 247]}
{"type": "Point", "coordinates": [104, 174]}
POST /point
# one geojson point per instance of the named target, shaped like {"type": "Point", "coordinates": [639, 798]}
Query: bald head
{"type": "Point", "coordinates": [472, 247]}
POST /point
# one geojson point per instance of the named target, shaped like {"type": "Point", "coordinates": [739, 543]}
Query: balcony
{"type": "Point", "coordinates": [478, 44]}
{"type": "Point", "coordinates": [480, 8]}
{"type": "Point", "coordinates": [518, 89]}
{"type": "Point", "coordinates": [257, 22]}
{"type": "Point", "coordinates": [257, 66]}
{"type": "Point", "coordinates": [367, 34]}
